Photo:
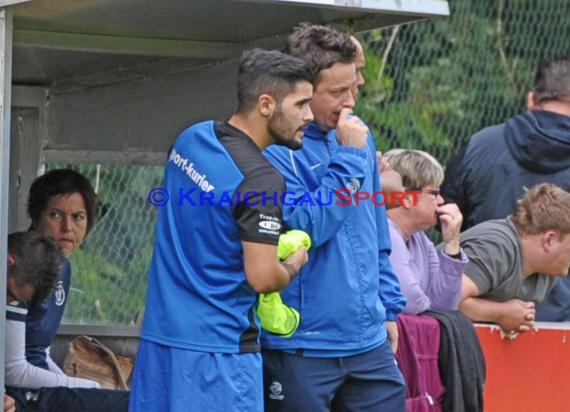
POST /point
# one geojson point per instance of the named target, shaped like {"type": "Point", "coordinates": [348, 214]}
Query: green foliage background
{"type": "Point", "coordinates": [430, 85]}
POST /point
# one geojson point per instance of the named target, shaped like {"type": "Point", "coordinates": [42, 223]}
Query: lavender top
{"type": "Point", "coordinates": [429, 278]}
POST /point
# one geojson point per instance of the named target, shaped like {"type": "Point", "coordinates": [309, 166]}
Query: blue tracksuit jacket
{"type": "Point", "coordinates": [348, 288]}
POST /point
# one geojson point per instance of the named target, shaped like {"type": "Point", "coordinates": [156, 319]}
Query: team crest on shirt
{"type": "Point", "coordinates": [276, 391]}
{"type": "Point", "coordinates": [353, 185]}
{"type": "Point", "coordinates": [59, 293]}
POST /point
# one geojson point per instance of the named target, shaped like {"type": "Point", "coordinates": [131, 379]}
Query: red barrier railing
{"type": "Point", "coordinates": [530, 372]}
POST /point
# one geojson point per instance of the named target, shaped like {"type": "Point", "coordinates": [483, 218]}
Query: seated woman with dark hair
{"type": "Point", "coordinates": [62, 205]}
{"type": "Point", "coordinates": [429, 279]}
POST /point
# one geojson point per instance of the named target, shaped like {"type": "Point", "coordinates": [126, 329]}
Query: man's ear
{"type": "Point", "coordinates": [266, 105]}
{"type": "Point", "coordinates": [11, 260]}
{"type": "Point", "coordinates": [547, 239]}
{"type": "Point", "coordinates": [531, 101]}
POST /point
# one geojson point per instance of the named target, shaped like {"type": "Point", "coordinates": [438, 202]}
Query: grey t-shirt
{"type": "Point", "coordinates": [496, 263]}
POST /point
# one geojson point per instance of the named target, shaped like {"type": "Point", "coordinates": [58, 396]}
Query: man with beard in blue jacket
{"type": "Point", "coordinates": [341, 357]}
{"type": "Point", "coordinates": [499, 162]}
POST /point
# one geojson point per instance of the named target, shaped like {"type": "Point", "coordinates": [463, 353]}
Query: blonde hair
{"type": "Point", "coordinates": [543, 207]}
{"type": "Point", "coordinates": [417, 168]}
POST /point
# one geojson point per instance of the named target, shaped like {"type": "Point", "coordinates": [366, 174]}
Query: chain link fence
{"type": "Point", "coordinates": [430, 85]}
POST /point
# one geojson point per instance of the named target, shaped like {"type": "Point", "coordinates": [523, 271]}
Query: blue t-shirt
{"type": "Point", "coordinates": [42, 319]}
{"type": "Point", "coordinates": [198, 297]}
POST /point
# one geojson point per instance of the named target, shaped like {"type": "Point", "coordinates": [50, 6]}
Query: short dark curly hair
{"type": "Point", "coordinates": [61, 182]}
{"type": "Point", "coordinates": [38, 262]}
{"type": "Point", "coordinates": [552, 80]}
{"type": "Point", "coordinates": [320, 46]}
{"type": "Point", "coordinates": [271, 72]}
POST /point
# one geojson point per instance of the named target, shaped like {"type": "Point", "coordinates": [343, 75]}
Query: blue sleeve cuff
{"type": "Point", "coordinates": [392, 316]}
{"type": "Point", "coordinates": [354, 151]}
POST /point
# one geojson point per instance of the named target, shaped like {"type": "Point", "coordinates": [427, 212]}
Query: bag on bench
{"type": "Point", "coordinates": [90, 359]}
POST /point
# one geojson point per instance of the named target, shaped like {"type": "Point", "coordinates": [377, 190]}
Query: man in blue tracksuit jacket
{"type": "Point", "coordinates": [340, 358]}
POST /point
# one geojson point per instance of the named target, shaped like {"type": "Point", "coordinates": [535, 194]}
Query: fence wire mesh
{"type": "Point", "coordinates": [430, 85]}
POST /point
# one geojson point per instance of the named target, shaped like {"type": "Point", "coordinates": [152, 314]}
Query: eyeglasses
{"type": "Point", "coordinates": [434, 192]}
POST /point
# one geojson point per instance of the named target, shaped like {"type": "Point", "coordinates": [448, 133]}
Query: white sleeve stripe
{"type": "Point", "coordinates": [14, 309]}
{"type": "Point", "coordinates": [293, 162]}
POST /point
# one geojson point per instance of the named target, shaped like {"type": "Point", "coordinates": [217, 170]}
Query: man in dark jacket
{"type": "Point", "coordinates": [499, 162]}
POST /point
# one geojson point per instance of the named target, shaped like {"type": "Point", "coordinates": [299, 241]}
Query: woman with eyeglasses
{"type": "Point", "coordinates": [430, 279]}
